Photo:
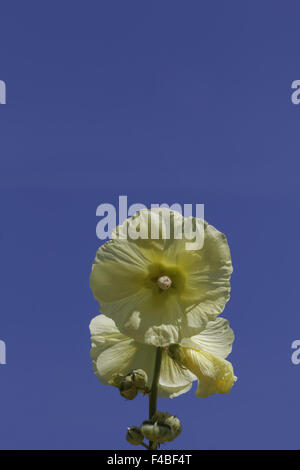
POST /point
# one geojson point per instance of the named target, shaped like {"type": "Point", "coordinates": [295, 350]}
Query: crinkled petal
{"type": "Point", "coordinates": [114, 360]}
{"type": "Point", "coordinates": [118, 271]}
{"type": "Point", "coordinates": [215, 374]}
{"type": "Point", "coordinates": [159, 230]}
{"type": "Point", "coordinates": [103, 328]}
{"type": "Point", "coordinates": [217, 338]}
{"type": "Point", "coordinates": [221, 385]}
{"type": "Point", "coordinates": [173, 380]}
{"type": "Point", "coordinates": [208, 273]}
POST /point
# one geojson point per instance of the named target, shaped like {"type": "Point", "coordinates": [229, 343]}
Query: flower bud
{"type": "Point", "coordinates": [164, 418]}
{"type": "Point", "coordinates": [134, 436]}
{"type": "Point", "coordinates": [156, 432]}
{"type": "Point", "coordinates": [174, 424]}
{"type": "Point", "coordinates": [140, 379]}
{"type": "Point", "coordinates": [127, 388]}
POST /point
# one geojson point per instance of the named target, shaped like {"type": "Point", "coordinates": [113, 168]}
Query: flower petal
{"type": "Point", "coordinates": [217, 338]}
{"type": "Point", "coordinates": [118, 271]}
{"type": "Point", "coordinates": [158, 229]}
{"type": "Point", "coordinates": [102, 327]}
{"type": "Point", "coordinates": [215, 374]}
{"type": "Point", "coordinates": [115, 360]}
{"type": "Point", "coordinates": [222, 385]}
{"type": "Point", "coordinates": [208, 273]}
{"type": "Point", "coordinates": [174, 380]}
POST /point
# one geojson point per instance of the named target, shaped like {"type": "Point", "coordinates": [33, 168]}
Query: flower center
{"type": "Point", "coordinates": [164, 282]}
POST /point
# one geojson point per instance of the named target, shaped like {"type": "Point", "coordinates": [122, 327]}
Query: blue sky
{"type": "Point", "coordinates": [164, 101]}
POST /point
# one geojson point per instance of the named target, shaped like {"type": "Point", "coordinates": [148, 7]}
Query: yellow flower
{"type": "Point", "coordinates": [156, 289]}
{"type": "Point", "coordinates": [202, 357]}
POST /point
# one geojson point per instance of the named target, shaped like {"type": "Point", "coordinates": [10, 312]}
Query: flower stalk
{"type": "Point", "coordinates": [154, 390]}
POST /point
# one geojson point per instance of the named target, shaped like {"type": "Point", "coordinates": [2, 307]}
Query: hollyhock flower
{"type": "Point", "coordinates": [201, 357]}
{"type": "Point", "coordinates": [157, 285]}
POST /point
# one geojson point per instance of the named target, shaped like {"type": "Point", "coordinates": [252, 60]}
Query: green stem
{"type": "Point", "coordinates": [154, 389]}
